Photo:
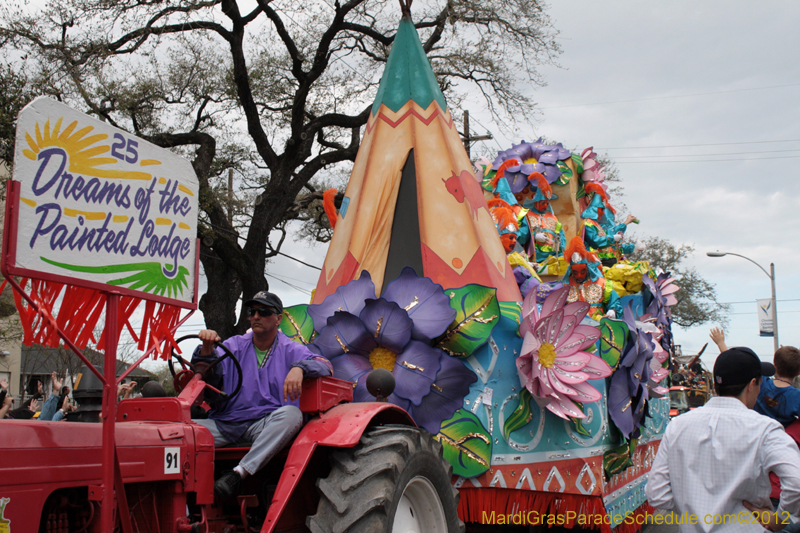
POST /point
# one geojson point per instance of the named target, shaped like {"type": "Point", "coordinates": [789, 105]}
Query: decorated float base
{"type": "Point", "coordinates": [535, 467]}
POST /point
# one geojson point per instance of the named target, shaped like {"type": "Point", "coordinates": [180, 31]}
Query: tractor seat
{"type": "Point", "coordinates": [318, 395]}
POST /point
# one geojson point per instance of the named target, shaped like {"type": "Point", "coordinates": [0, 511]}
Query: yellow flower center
{"type": "Point", "coordinates": [530, 161]}
{"type": "Point", "coordinates": [547, 355]}
{"type": "Point", "coordinates": [382, 358]}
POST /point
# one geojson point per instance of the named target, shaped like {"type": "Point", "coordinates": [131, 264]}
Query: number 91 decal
{"type": "Point", "coordinates": [172, 463]}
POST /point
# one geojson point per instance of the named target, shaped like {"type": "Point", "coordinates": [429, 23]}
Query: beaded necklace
{"type": "Point", "coordinates": [269, 353]}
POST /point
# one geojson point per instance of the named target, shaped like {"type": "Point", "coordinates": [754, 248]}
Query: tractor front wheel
{"type": "Point", "coordinates": [395, 480]}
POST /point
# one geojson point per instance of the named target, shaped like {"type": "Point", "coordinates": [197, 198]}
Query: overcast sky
{"type": "Point", "coordinates": [713, 83]}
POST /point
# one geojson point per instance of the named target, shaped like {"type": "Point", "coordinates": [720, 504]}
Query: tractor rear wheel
{"type": "Point", "coordinates": [395, 480]}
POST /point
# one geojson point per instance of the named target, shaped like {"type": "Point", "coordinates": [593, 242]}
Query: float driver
{"type": "Point", "coordinates": [265, 413]}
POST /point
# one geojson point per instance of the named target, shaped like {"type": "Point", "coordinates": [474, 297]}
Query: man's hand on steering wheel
{"type": "Point", "coordinates": [209, 337]}
{"type": "Point", "coordinates": [205, 368]}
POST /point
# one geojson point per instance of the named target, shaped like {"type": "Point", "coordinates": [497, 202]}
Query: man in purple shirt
{"type": "Point", "coordinates": [264, 412]}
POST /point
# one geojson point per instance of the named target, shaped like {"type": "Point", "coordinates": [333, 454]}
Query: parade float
{"type": "Point", "coordinates": [501, 299]}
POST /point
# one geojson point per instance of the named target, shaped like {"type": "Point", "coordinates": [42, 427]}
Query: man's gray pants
{"type": "Point", "coordinates": [268, 436]}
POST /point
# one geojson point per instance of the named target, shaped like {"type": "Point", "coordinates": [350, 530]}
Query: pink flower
{"type": "Point", "coordinates": [592, 169]}
{"type": "Point", "coordinates": [553, 365]}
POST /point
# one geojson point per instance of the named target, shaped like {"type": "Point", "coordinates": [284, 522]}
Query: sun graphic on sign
{"type": "Point", "coordinates": [84, 150]}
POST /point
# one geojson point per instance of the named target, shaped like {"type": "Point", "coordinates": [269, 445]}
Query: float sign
{"type": "Point", "coordinates": [100, 207]}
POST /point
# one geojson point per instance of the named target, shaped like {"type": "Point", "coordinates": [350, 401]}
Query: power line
{"type": "Point", "coordinates": [690, 145]}
{"type": "Point", "coordinates": [755, 313]}
{"type": "Point", "coordinates": [709, 160]}
{"type": "Point", "coordinates": [669, 97]}
{"type": "Point", "coordinates": [753, 301]}
{"type": "Point", "coordinates": [295, 287]}
{"type": "Point", "coordinates": [705, 155]}
{"type": "Point", "coordinates": [299, 261]}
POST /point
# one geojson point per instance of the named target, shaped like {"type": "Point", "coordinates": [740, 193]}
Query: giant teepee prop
{"type": "Point", "coordinates": [413, 199]}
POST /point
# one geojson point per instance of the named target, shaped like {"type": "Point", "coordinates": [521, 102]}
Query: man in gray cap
{"type": "Point", "coordinates": [265, 411]}
{"type": "Point", "coordinates": [712, 466]}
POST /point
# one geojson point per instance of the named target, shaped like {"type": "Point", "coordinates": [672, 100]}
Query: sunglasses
{"type": "Point", "coordinates": [265, 312]}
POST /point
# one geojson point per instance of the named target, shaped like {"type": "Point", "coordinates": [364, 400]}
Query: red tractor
{"type": "Point", "coordinates": [360, 467]}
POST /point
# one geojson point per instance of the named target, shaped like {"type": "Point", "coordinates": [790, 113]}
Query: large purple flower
{"type": "Point", "coordinates": [359, 333]}
{"type": "Point", "coordinates": [628, 392]}
{"type": "Point", "coordinates": [535, 157]}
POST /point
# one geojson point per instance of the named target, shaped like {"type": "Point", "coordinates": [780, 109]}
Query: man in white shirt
{"type": "Point", "coordinates": [712, 467]}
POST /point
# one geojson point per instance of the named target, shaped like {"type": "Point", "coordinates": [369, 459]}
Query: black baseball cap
{"type": "Point", "coordinates": [737, 366]}
{"type": "Point", "coordinates": [268, 299]}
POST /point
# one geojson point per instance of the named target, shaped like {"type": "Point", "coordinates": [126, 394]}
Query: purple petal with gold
{"type": "Point", "coordinates": [415, 370]}
{"type": "Point", "coordinates": [344, 334]}
{"type": "Point", "coordinates": [389, 324]}
{"type": "Point", "coordinates": [424, 301]}
{"type": "Point", "coordinates": [348, 298]}
{"type": "Point", "coordinates": [447, 394]}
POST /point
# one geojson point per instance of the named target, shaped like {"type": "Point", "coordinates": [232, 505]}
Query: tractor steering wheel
{"type": "Point", "coordinates": [188, 370]}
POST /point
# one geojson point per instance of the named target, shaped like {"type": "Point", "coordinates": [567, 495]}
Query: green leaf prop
{"type": "Point", "coordinates": [511, 311]}
{"type": "Point", "coordinates": [477, 313]}
{"type": "Point", "coordinates": [581, 191]}
{"type": "Point", "coordinates": [521, 416]}
{"type": "Point", "coordinates": [466, 444]}
{"type": "Point", "coordinates": [613, 334]}
{"type": "Point", "coordinates": [618, 459]}
{"type": "Point", "coordinates": [578, 163]}
{"type": "Point", "coordinates": [297, 324]}
{"type": "Point", "coordinates": [486, 183]}
{"type": "Point", "coordinates": [566, 173]}
{"type": "Point", "coordinates": [578, 425]}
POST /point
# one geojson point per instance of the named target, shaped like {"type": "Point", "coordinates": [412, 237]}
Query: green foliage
{"type": "Point", "coordinates": [521, 416]}
{"type": "Point", "coordinates": [566, 173]}
{"type": "Point", "coordinates": [618, 459]}
{"type": "Point", "coordinates": [477, 313]}
{"type": "Point", "coordinates": [511, 311]}
{"type": "Point", "coordinates": [578, 424]}
{"type": "Point", "coordinates": [297, 324]}
{"type": "Point", "coordinates": [578, 162]}
{"type": "Point", "coordinates": [15, 93]}
{"type": "Point", "coordinates": [613, 335]}
{"type": "Point", "coordinates": [466, 444]}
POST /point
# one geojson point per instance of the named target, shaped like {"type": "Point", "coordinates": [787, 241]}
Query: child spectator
{"type": "Point", "coordinates": [778, 398]}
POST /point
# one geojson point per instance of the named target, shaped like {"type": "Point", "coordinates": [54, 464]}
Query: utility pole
{"type": "Point", "coordinates": [468, 140]}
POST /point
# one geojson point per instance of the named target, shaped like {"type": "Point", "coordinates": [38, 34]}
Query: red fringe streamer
{"type": "Point", "coordinates": [477, 504]}
{"type": "Point", "coordinates": [80, 312]}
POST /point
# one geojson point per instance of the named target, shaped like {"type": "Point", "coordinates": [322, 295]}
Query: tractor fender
{"type": "Point", "coordinates": [340, 427]}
